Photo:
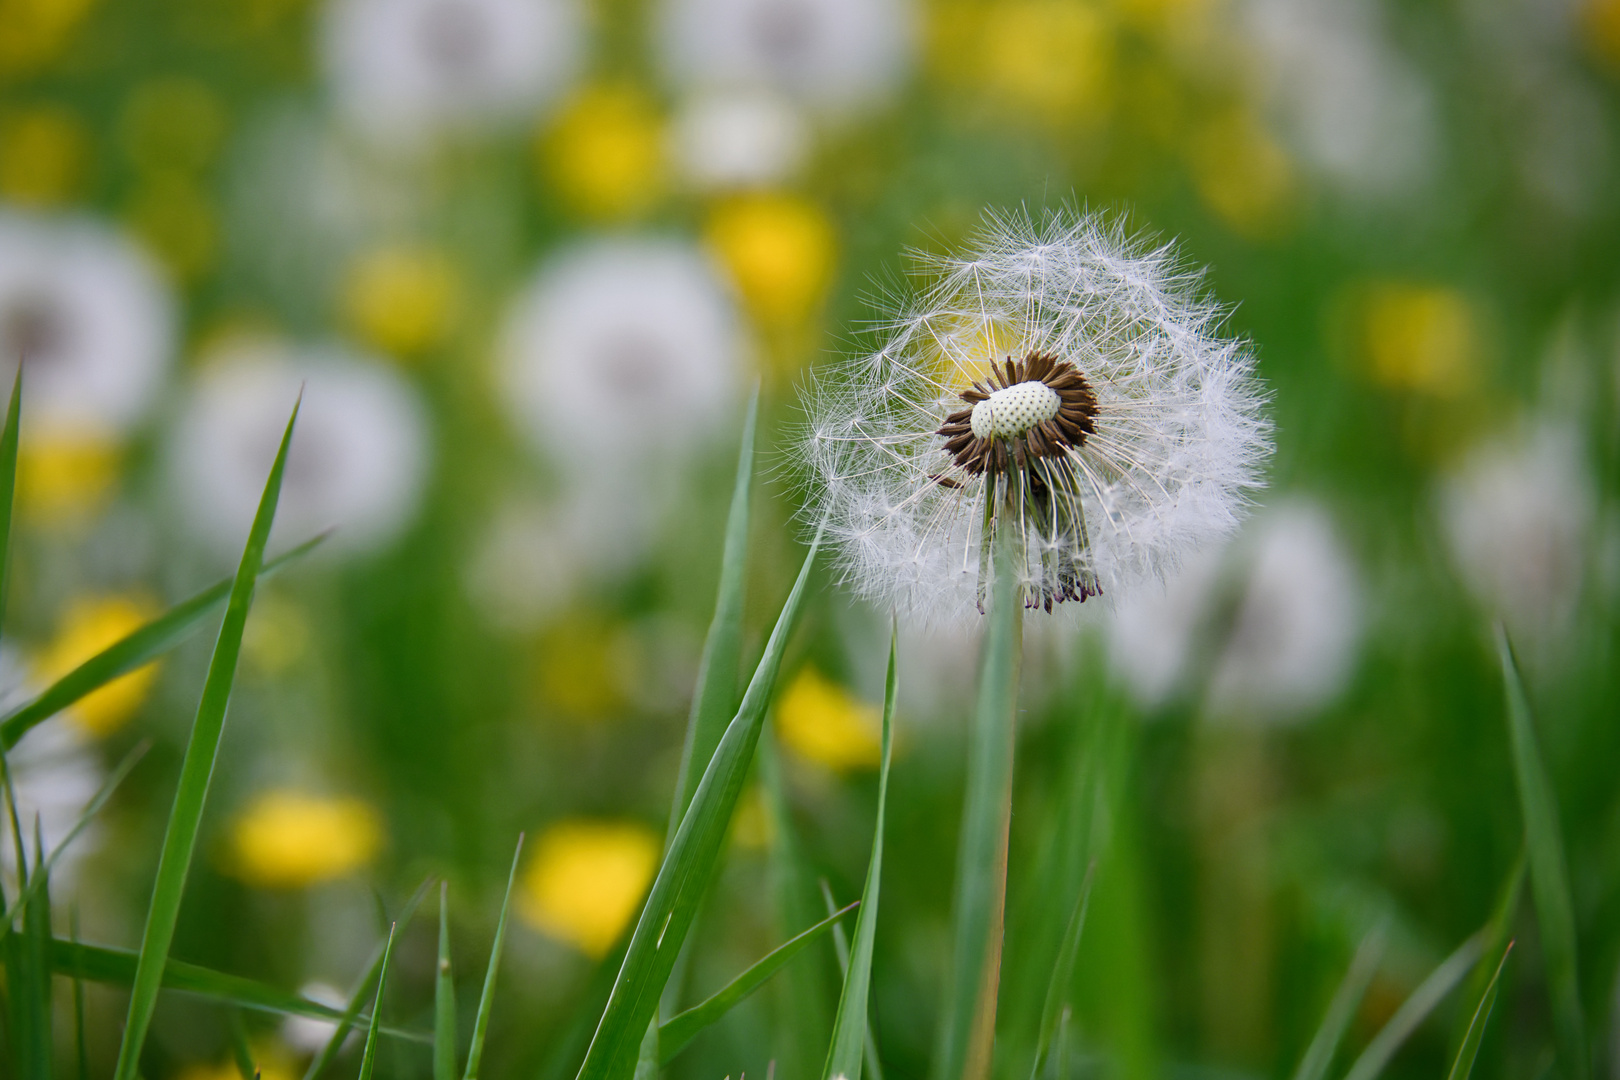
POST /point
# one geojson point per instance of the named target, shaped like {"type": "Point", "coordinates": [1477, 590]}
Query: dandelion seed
{"type": "Point", "coordinates": [1059, 385]}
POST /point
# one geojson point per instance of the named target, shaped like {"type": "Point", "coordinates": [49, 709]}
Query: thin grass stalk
{"type": "Point", "coordinates": [444, 997]}
{"type": "Point", "coordinates": [486, 1001]}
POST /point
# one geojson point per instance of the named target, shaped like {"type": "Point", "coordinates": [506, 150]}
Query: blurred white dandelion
{"type": "Point", "coordinates": [741, 138]}
{"type": "Point", "coordinates": [358, 460]}
{"type": "Point", "coordinates": [1060, 382]}
{"type": "Point", "coordinates": [95, 318]}
{"type": "Point", "coordinates": [1154, 634]}
{"type": "Point", "coordinates": [402, 70]}
{"type": "Point", "coordinates": [828, 54]}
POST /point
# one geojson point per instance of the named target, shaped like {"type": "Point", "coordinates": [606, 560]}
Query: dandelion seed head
{"type": "Point", "coordinates": [1060, 379]}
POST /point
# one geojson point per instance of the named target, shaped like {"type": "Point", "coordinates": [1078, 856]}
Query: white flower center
{"type": "Point", "coordinates": [1009, 412]}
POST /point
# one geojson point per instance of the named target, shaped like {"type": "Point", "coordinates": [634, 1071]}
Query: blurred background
{"type": "Point", "coordinates": [527, 258]}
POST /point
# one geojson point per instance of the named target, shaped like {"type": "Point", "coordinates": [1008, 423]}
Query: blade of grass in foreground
{"type": "Point", "coordinates": [967, 1032]}
{"type": "Point", "coordinates": [8, 485]}
{"type": "Point", "coordinates": [1496, 940]}
{"type": "Point", "coordinates": [138, 648]}
{"type": "Point", "coordinates": [1062, 974]}
{"type": "Point", "coordinates": [844, 1055]}
{"type": "Point", "coordinates": [1415, 1009]}
{"type": "Point", "coordinates": [196, 770]}
{"type": "Point", "coordinates": [444, 997]}
{"type": "Point", "coordinates": [1342, 1009]}
{"type": "Point", "coordinates": [1549, 872]}
{"type": "Point", "coordinates": [1464, 1063]}
{"type": "Point", "coordinates": [675, 1033]}
{"type": "Point", "coordinates": [240, 1049]}
{"type": "Point", "coordinates": [475, 1052]}
{"type": "Point", "coordinates": [368, 1060]}
{"type": "Point", "coordinates": [688, 866]}
{"type": "Point", "coordinates": [37, 949]}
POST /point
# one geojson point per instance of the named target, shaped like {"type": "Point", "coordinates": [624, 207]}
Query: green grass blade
{"type": "Point", "coordinates": [138, 648]}
{"type": "Point", "coordinates": [196, 770]}
{"type": "Point", "coordinates": [1062, 975]}
{"type": "Point", "coordinates": [486, 1002]}
{"type": "Point", "coordinates": [679, 1030]}
{"type": "Point", "coordinates": [1496, 932]}
{"type": "Point", "coordinates": [241, 1051]}
{"type": "Point", "coordinates": [444, 997]}
{"type": "Point", "coordinates": [8, 483]}
{"type": "Point", "coordinates": [968, 1028]}
{"type": "Point", "coordinates": [36, 971]}
{"type": "Point", "coordinates": [1415, 1009]}
{"type": "Point", "coordinates": [845, 1053]}
{"type": "Point", "coordinates": [78, 1002]}
{"type": "Point", "coordinates": [1549, 873]}
{"type": "Point", "coordinates": [841, 947]}
{"type": "Point", "coordinates": [1342, 1009]}
{"type": "Point", "coordinates": [368, 1060]}
{"type": "Point", "coordinates": [688, 866]}
{"type": "Point", "coordinates": [714, 698]}
{"type": "Point", "coordinates": [1463, 1065]}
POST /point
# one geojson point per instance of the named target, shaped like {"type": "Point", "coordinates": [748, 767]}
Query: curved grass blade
{"type": "Point", "coordinates": [368, 1060]}
{"type": "Point", "coordinates": [8, 483]}
{"type": "Point", "coordinates": [1549, 871]}
{"type": "Point", "coordinates": [967, 1032]}
{"type": "Point", "coordinates": [845, 1054]}
{"type": "Point", "coordinates": [1415, 1009]}
{"type": "Point", "coordinates": [1464, 1063]}
{"type": "Point", "coordinates": [714, 698]}
{"type": "Point", "coordinates": [688, 866]}
{"type": "Point", "coordinates": [679, 1030]}
{"type": "Point", "coordinates": [138, 648]}
{"type": "Point", "coordinates": [196, 770]}
{"type": "Point", "coordinates": [1062, 974]}
{"type": "Point", "coordinates": [1342, 1009]}
{"type": "Point", "coordinates": [475, 1053]}
{"type": "Point", "coordinates": [1496, 939]}
{"type": "Point", "coordinates": [444, 997]}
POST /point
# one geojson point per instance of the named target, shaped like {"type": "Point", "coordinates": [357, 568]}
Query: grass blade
{"type": "Point", "coordinates": [444, 997]}
{"type": "Point", "coordinates": [1342, 1009]}
{"type": "Point", "coordinates": [1549, 872]}
{"type": "Point", "coordinates": [968, 1030]}
{"type": "Point", "coordinates": [844, 1055]}
{"type": "Point", "coordinates": [78, 1002]}
{"type": "Point", "coordinates": [1415, 1009]}
{"type": "Point", "coordinates": [1062, 975]}
{"type": "Point", "coordinates": [196, 770]}
{"type": "Point", "coordinates": [8, 484]}
{"type": "Point", "coordinates": [714, 698]}
{"type": "Point", "coordinates": [679, 1030]}
{"type": "Point", "coordinates": [688, 866]}
{"type": "Point", "coordinates": [368, 1060]}
{"type": "Point", "coordinates": [486, 1002]}
{"type": "Point", "coordinates": [240, 1050]}
{"type": "Point", "coordinates": [140, 647]}
{"type": "Point", "coordinates": [1463, 1065]}
{"type": "Point", "coordinates": [35, 982]}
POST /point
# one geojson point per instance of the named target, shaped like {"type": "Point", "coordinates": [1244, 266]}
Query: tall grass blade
{"type": "Point", "coordinates": [1549, 871]}
{"type": "Point", "coordinates": [196, 770]}
{"type": "Point", "coordinates": [679, 1030]}
{"type": "Point", "coordinates": [1463, 1064]}
{"type": "Point", "coordinates": [8, 484]}
{"type": "Point", "coordinates": [1342, 1009]}
{"type": "Point", "coordinates": [444, 997]}
{"type": "Point", "coordinates": [136, 649]}
{"type": "Point", "coordinates": [1496, 940]}
{"type": "Point", "coordinates": [475, 1053]}
{"type": "Point", "coordinates": [78, 1002]}
{"type": "Point", "coordinates": [35, 972]}
{"type": "Point", "coordinates": [1062, 975]}
{"type": "Point", "coordinates": [845, 1054]}
{"type": "Point", "coordinates": [241, 1051]}
{"type": "Point", "coordinates": [714, 698]}
{"type": "Point", "coordinates": [968, 1029]}
{"type": "Point", "coordinates": [688, 865]}
{"type": "Point", "coordinates": [368, 1060]}
{"type": "Point", "coordinates": [1415, 1009]}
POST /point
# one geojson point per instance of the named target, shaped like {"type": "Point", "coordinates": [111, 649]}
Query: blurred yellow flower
{"type": "Point", "coordinates": [577, 669]}
{"type": "Point", "coordinates": [1602, 23]}
{"type": "Point", "coordinates": [36, 31]}
{"type": "Point", "coordinates": [290, 839]}
{"type": "Point", "coordinates": [402, 299]}
{"type": "Point", "coordinates": [586, 879]}
{"type": "Point", "coordinates": [90, 625]}
{"type": "Point", "coordinates": [271, 1061]}
{"type": "Point", "coordinates": [63, 476]}
{"type": "Point", "coordinates": [43, 153]}
{"type": "Point", "coordinates": [173, 215]}
{"type": "Point", "coordinates": [605, 154]}
{"type": "Point", "coordinates": [1420, 337]}
{"type": "Point", "coordinates": [751, 826]}
{"type": "Point", "coordinates": [779, 250]}
{"type": "Point", "coordinates": [172, 123]}
{"type": "Point", "coordinates": [1242, 174]}
{"type": "Point", "coordinates": [1048, 60]}
{"type": "Point", "coordinates": [821, 721]}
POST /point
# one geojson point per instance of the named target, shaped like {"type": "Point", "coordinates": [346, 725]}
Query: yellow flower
{"type": "Point", "coordinates": [1242, 174]}
{"type": "Point", "coordinates": [271, 1061]}
{"type": "Point", "coordinates": [779, 250]}
{"type": "Point", "coordinates": [1602, 23]}
{"type": "Point", "coordinates": [1421, 337]}
{"type": "Point", "coordinates": [64, 476]}
{"type": "Point", "coordinates": [822, 722]}
{"type": "Point", "coordinates": [36, 31]}
{"type": "Point", "coordinates": [586, 880]}
{"type": "Point", "coordinates": [172, 214]}
{"type": "Point", "coordinates": [90, 625]}
{"type": "Point", "coordinates": [43, 151]}
{"type": "Point", "coordinates": [289, 839]}
{"type": "Point", "coordinates": [402, 299]}
{"type": "Point", "coordinates": [1048, 60]}
{"type": "Point", "coordinates": [605, 154]}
